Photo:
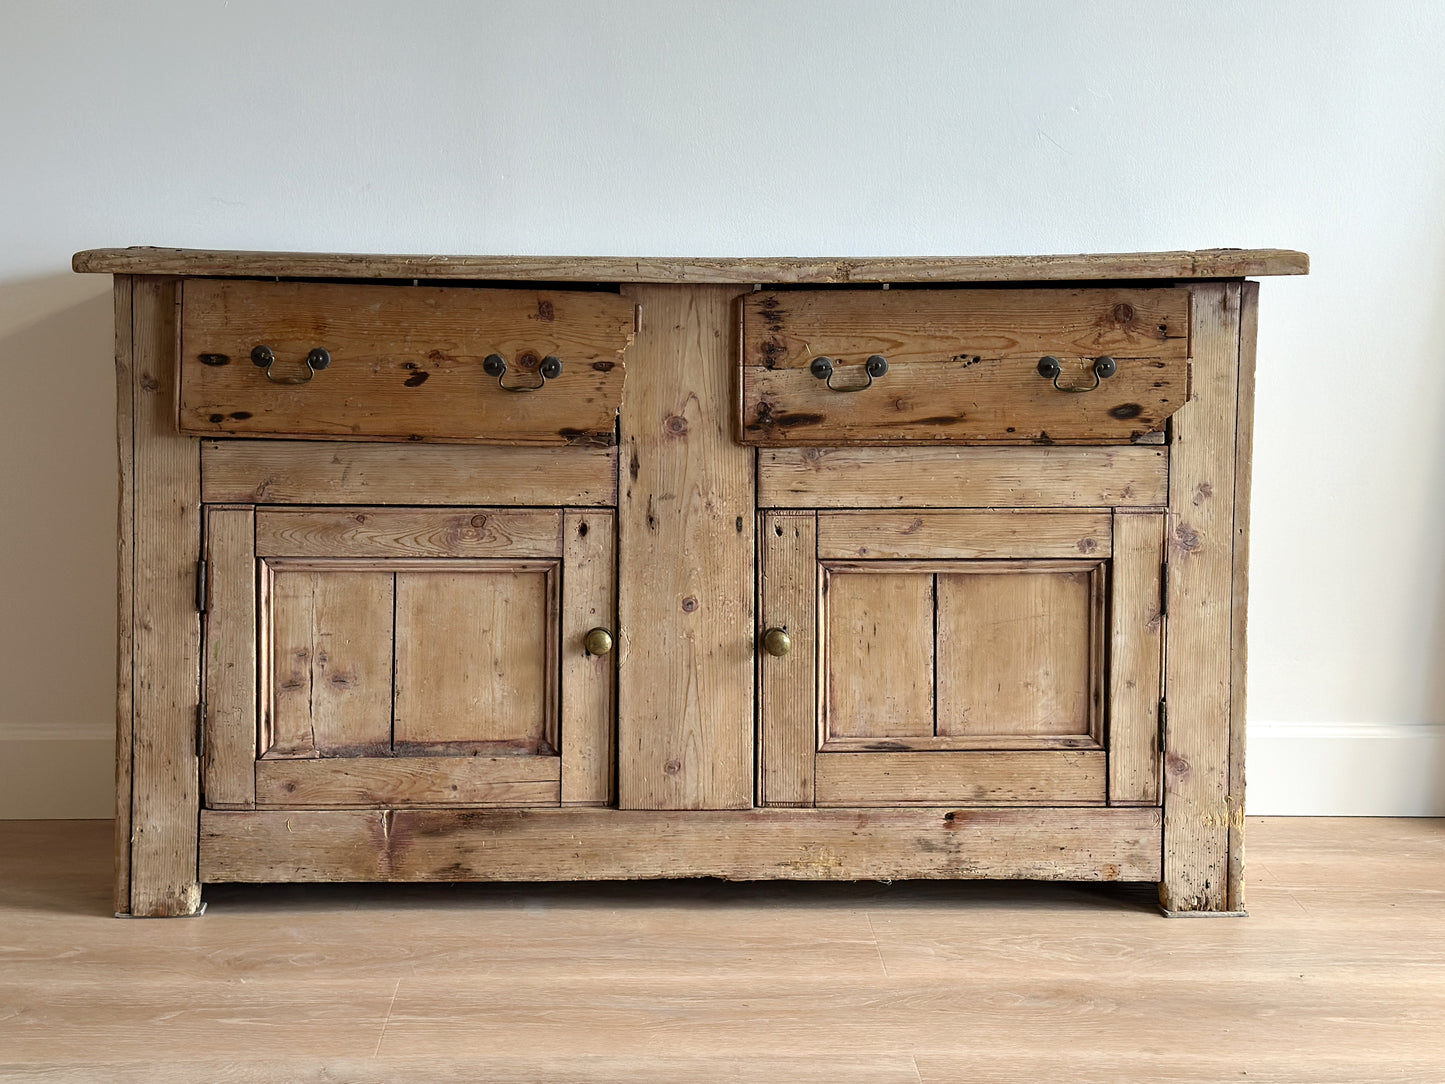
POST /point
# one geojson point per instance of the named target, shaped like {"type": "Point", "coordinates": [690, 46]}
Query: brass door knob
{"type": "Point", "coordinates": [597, 642]}
{"type": "Point", "coordinates": [777, 642]}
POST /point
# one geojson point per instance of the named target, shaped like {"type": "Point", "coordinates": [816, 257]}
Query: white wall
{"type": "Point", "coordinates": [768, 127]}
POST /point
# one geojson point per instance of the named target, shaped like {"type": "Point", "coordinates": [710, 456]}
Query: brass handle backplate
{"type": "Point", "coordinates": [496, 365]}
{"type": "Point", "coordinates": [1104, 367]}
{"type": "Point", "coordinates": [264, 357]}
{"type": "Point", "coordinates": [597, 641]}
{"type": "Point", "coordinates": [777, 642]}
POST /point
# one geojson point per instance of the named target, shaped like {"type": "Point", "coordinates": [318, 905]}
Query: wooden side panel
{"type": "Point", "coordinates": [329, 636]}
{"type": "Point", "coordinates": [1239, 640]}
{"type": "Point", "coordinates": [167, 635]}
{"type": "Point", "coordinates": [1043, 777]}
{"type": "Point", "coordinates": [589, 600]}
{"type": "Point", "coordinates": [1015, 653]}
{"type": "Point", "coordinates": [405, 363]}
{"type": "Point", "coordinates": [335, 472]}
{"type": "Point", "coordinates": [125, 592]}
{"type": "Point", "coordinates": [406, 532]}
{"type": "Point", "coordinates": [1136, 647]}
{"type": "Point", "coordinates": [230, 654]}
{"type": "Point", "coordinates": [685, 525]}
{"type": "Point", "coordinates": [963, 477]}
{"type": "Point", "coordinates": [602, 844]}
{"type": "Point", "coordinates": [1197, 808]}
{"type": "Point", "coordinates": [878, 654]}
{"type": "Point", "coordinates": [962, 535]}
{"type": "Point", "coordinates": [788, 685]}
{"type": "Point", "coordinates": [403, 781]}
{"type": "Point", "coordinates": [475, 658]}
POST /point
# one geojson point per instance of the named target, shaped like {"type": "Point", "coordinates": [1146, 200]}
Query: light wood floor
{"type": "Point", "coordinates": [1337, 975]}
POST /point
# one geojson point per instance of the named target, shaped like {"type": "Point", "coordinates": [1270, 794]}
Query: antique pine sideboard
{"type": "Point", "coordinates": [473, 568]}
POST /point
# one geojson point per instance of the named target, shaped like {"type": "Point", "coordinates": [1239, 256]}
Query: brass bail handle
{"type": "Point", "coordinates": [1051, 368]}
{"type": "Point", "coordinates": [496, 365]}
{"type": "Point", "coordinates": [874, 367]}
{"type": "Point", "coordinates": [264, 357]}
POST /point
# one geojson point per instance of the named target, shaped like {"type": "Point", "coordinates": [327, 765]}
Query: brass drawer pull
{"type": "Point", "coordinates": [875, 366]}
{"type": "Point", "coordinates": [264, 357]}
{"type": "Point", "coordinates": [597, 641]}
{"type": "Point", "coordinates": [1104, 367]}
{"type": "Point", "coordinates": [496, 365]}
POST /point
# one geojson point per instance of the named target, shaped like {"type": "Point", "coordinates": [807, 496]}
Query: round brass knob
{"type": "Point", "coordinates": [597, 642]}
{"type": "Point", "coordinates": [777, 642]}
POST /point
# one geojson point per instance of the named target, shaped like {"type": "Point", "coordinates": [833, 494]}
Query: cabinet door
{"type": "Point", "coordinates": [960, 658]}
{"type": "Point", "coordinates": [407, 657]}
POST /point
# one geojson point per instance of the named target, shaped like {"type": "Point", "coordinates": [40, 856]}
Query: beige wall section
{"type": "Point", "coordinates": [57, 778]}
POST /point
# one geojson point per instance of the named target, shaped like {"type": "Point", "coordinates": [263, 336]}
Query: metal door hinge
{"type": "Point", "coordinates": [1163, 722]}
{"type": "Point", "coordinates": [200, 730]}
{"type": "Point", "coordinates": [1163, 588]}
{"type": "Point", "coordinates": [202, 576]}
{"type": "Point", "coordinates": [637, 319]}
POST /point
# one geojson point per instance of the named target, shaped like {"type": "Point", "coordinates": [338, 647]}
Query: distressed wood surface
{"type": "Point", "coordinates": [962, 477]}
{"type": "Point", "coordinates": [877, 653]}
{"type": "Point", "coordinates": [403, 781]}
{"type": "Point", "coordinates": [1239, 639]}
{"type": "Point", "coordinates": [1201, 263]}
{"type": "Point", "coordinates": [1039, 777]}
{"type": "Point", "coordinates": [125, 584]}
{"type": "Point", "coordinates": [962, 535]}
{"type": "Point", "coordinates": [788, 684]}
{"type": "Point", "coordinates": [962, 365]}
{"type": "Point", "coordinates": [165, 780]}
{"type": "Point", "coordinates": [476, 657]}
{"type": "Point", "coordinates": [1136, 658]}
{"type": "Point", "coordinates": [308, 472]}
{"type": "Point", "coordinates": [406, 363]}
{"type": "Point", "coordinates": [1197, 802]}
{"type": "Point", "coordinates": [1015, 653]}
{"type": "Point", "coordinates": [231, 676]}
{"type": "Point", "coordinates": [589, 688]}
{"type": "Point", "coordinates": [398, 532]}
{"type": "Point", "coordinates": [598, 844]}
{"type": "Point", "coordinates": [685, 526]}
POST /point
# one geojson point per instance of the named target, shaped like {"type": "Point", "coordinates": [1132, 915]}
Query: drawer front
{"type": "Point", "coordinates": [401, 363]}
{"type": "Point", "coordinates": [962, 366]}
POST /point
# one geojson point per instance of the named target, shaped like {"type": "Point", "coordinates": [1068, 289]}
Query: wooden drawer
{"type": "Point", "coordinates": [401, 363]}
{"type": "Point", "coordinates": [962, 365]}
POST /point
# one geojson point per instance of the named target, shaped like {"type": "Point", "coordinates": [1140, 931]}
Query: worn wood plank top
{"type": "Point", "coordinates": [1199, 264]}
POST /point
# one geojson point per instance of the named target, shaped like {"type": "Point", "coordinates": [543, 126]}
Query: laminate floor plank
{"type": "Point", "coordinates": [1338, 975]}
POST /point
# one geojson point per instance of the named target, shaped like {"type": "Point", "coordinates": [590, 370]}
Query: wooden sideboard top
{"type": "Point", "coordinates": [1213, 263]}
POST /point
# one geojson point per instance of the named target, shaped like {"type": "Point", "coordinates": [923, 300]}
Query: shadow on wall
{"type": "Point", "coordinates": [57, 531]}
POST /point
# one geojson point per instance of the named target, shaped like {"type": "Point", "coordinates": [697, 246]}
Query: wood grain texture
{"type": "Point", "coordinates": [231, 674]}
{"type": "Point", "coordinates": [685, 526]}
{"type": "Point", "coordinates": [306, 472]}
{"type": "Point", "coordinates": [1136, 657]}
{"type": "Point", "coordinates": [405, 363]}
{"type": "Point", "coordinates": [328, 636]}
{"type": "Point", "coordinates": [962, 477]}
{"type": "Point", "coordinates": [1239, 638]}
{"type": "Point", "coordinates": [125, 584]}
{"type": "Point", "coordinates": [166, 663]}
{"type": "Point", "coordinates": [877, 653]}
{"type": "Point", "coordinates": [476, 657]}
{"type": "Point", "coordinates": [962, 365]}
{"type": "Point", "coordinates": [1015, 653]}
{"type": "Point", "coordinates": [1035, 777]}
{"type": "Point", "coordinates": [404, 532]}
{"type": "Point", "coordinates": [408, 781]}
{"type": "Point", "coordinates": [1201, 263]}
{"type": "Point", "coordinates": [788, 685]}
{"type": "Point", "coordinates": [1198, 806]}
{"type": "Point", "coordinates": [607, 844]}
{"type": "Point", "coordinates": [962, 535]}
{"type": "Point", "coordinates": [589, 682]}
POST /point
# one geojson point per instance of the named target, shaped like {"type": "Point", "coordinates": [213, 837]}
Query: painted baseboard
{"type": "Point", "coordinates": [1293, 769]}
{"type": "Point", "coordinates": [1345, 769]}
